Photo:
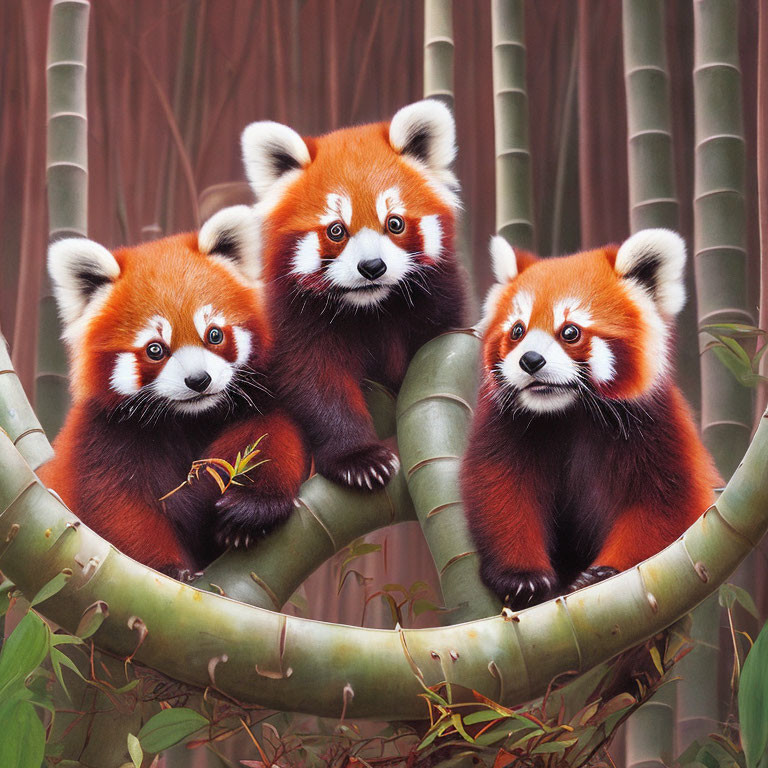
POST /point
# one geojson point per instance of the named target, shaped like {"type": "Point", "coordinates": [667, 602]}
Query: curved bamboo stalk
{"type": "Point", "coordinates": [721, 295]}
{"type": "Point", "coordinates": [17, 418]}
{"type": "Point", "coordinates": [434, 410]}
{"type": "Point", "coordinates": [291, 664]}
{"type": "Point", "coordinates": [650, 732]}
{"type": "Point", "coordinates": [514, 207]}
{"type": "Point", "coordinates": [67, 176]}
{"type": "Point", "coordinates": [438, 50]}
{"type": "Point", "coordinates": [328, 518]}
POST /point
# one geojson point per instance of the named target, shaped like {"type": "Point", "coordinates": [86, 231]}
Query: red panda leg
{"type": "Point", "coordinates": [332, 408]}
{"type": "Point", "coordinates": [509, 529]}
{"type": "Point", "coordinates": [265, 497]}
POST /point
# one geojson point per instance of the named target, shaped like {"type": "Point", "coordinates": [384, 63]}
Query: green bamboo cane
{"type": "Point", "coordinates": [434, 410]}
{"type": "Point", "coordinates": [514, 208]}
{"type": "Point", "coordinates": [292, 664]}
{"type": "Point", "coordinates": [720, 272]}
{"type": "Point", "coordinates": [438, 50]}
{"type": "Point", "coordinates": [17, 418]}
{"type": "Point", "coordinates": [650, 732]}
{"type": "Point", "coordinates": [67, 176]}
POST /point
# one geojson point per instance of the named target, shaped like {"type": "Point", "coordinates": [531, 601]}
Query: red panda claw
{"type": "Point", "coordinates": [368, 482]}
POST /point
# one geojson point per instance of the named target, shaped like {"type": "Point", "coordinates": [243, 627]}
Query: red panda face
{"type": "Point", "coordinates": [360, 213]}
{"type": "Point", "coordinates": [164, 328]}
{"type": "Point", "coordinates": [589, 326]}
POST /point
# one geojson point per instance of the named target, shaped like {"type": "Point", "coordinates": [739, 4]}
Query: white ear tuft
{"type": "Point", "coordinates": [79, 268]}
{"type": "Point", "coordinates": [503, 259]}
{"type": "Point", "coordinates": [233, 234]}
{"type": "Point", "coordinates": [425, 131]}
{"type": "Point", "coordinates": [655, 260]}
{"type": "Point", "coordinates": [270, 151]}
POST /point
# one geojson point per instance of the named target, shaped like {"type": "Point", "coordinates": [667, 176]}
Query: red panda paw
{"type": "Point", "coordinates": [244, 517]}
{"type": "Point", "coordinates": [521, 589]}
{"type": "Point", "coordinates": [367, 469]}
{"type": "Point", "coordinates": [591, 576]}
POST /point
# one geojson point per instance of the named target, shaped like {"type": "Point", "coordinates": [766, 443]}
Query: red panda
{"type": "Point", "coordinates": [169, 344]}
{"type": "Point", "coordinates": [583, 458]}
{"type": "Point", "coordinates": [359, 264]}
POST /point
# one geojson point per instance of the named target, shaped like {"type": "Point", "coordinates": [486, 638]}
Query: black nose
{"type": "Point", "coordinates": [370, 269]}
{"type": "Point", "coordinates": [198, 381]}
{"type": "Point", "coordinates": [531, 362]}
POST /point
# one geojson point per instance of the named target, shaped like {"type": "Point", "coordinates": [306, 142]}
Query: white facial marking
{"type": "Point", "coordinates": [125, 374]}
{"type": "Point", "coordinates": [387, 202]}
{"type": "Point", "coordinates": [601, 360]}
{"type": "Point", "coordinates": [206, 316]}
{"type": "Point", "coordinates": [559, 369]}
{"type": "Point", "coordinates": [522, 308]}
{"type": "Point", "coordinates": [185, 362]}
{"type": "Point", "coordinates": [432, 235]}
{"type": "Point", "coordinates": [306, 258]}
{"type": "Point", "coordinates": [337, 207]}
{"type": "Point", "coordinates": [367, 244]}
{"type": "Point", "coordinates": [571, 311]}
{"type": "Point", "coordinates": [157, 327]}
{"type": "Point", "coordinates": [243, 343]}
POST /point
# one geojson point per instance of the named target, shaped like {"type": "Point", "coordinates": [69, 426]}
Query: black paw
{"type": "Point", "coordinates": [369, 468]}
{"type": "Point", "coordinates": [522, 589]}
{"type": "Point", "coordinates": [591, 576]}
{"type": "Point", "coordinates": [244, 517]}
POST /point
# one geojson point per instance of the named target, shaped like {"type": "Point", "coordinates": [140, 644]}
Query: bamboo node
{"type": "Point", "coordinates": [14, 529]}
{"type": "Point", "coordinates": [279, 675]}
{"type": "Point", "coordinates": [701, 571]}
{"type": "Point", "coordinates": [212, 666]}
{"type": "Point", "coordinates": [91, 566]}
{"type": "Point", "coordinates": [454, 655]}
{"type": "Point", "coordinates": [652, 601]}
{"type": "Point", "coordinates": [509, 615]}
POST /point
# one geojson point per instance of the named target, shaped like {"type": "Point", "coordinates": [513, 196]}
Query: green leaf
{"type": "Point", "coordinates": [22, 652]}
{"type": "Point", "coordinates": [732, 361]}
{"type": "Point", "coordinates": [92, 618]}
{"type": "Point", "coordinates": [737, 350]}
{"type": "Point", "coordinates": [732, 329]}
{"type": "Point", "coordinates": [54, 586]}
{"type": "Point", "coordinates": [59, 659]}
{"type": "Point", "coordinates": [135, 750]}
{"type": "Point", "coordinates": [552, 747]}
{"type": "Point", "coordinates": [753, 701]}
{"type": "Point", "coordinates": [483, 716]}
{"type": "Point", "coordinates": [730, 593]}
{"type": "Point", "coordinates": [502, 733]}
{"type": "Point", "coordinates": [23, 741]}
{"type": "Point", "coordinates": [169, 727]}
{"type": "Point", "coordinates": [422, 606]}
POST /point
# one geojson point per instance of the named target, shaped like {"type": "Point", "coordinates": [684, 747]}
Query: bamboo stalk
{"type": "Point", "coordinates": [292, 664]}
{"type": "Point", "coordinates": [650, 732]}
{"type": "Point", "coordinates": [17, 418]}
{"type": "Point", "coordinates": [438, 50]}
{"type": "Point", "coordinates": [721, 295]}
{"type": "Point", "coordinates": [67, 177]}
{"type": "Point", "coordinates": [514, 208]}
{"type": "Point", "coordinates": [434, 411]}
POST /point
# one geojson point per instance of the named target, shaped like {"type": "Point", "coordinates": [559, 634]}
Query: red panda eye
{"type": "Point", "coordinates": [571, 333]}
{"type": "Point", "coordinates": [215, 335]}
{"type": "Point", "coordinates": [336, 232]}
{"type": "Point", "coordinates": [155, 351]}
{"type": "Point", "coordinates": [518, 329]}
{"type": "Point", "coordinates": [396, 224]}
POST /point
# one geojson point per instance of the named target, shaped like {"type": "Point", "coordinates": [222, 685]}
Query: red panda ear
{"type": "Point", "coordinates": [425, 131]}
{"type": "Point", "coordinates": [233, 234]}
{"type": "Point", "coordinates": [271, 151]}
{"type": "Point", "coordinates": [654, 259]}
{"type": "Point", "coordinates": [503, 259]}
{"type": "Point", "coordinates": [79, 270]}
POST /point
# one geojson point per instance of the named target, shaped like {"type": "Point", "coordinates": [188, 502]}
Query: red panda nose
{"type": "Point", "coordinates": [531, 362]}
{"type": "Point", "coordinates": [370, 269]}
{"type": "Point", "coordinates": [198, 382]}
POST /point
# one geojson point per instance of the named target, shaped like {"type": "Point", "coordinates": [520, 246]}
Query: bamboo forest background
{"type": "Point", "coordinates": [171, 84]}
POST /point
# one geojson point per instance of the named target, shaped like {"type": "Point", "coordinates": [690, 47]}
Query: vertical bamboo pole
{"type": "Point", "coordinates": [514, 207]}
{"type": "Point", "coordinates": [721, 296]}
{"type": "Point", "coordinates": [650, 732]}
{"type": "Point", "coordinates": [67, 177]}
{"type": "Point", "coordinates": [438, 50]}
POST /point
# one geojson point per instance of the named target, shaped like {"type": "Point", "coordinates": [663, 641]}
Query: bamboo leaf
{"type": "Point", "coordinates": [23, 741]}
{"type": "Point", "coordinates": [92, 618]}
{"type": "Point", "coordinates": [22, 653]}
{"type": "Point", "coordinates": [170, 727]}
{"type": "Point", "coordinates": [553, 747]}
{"type": "Point", "coordinates": [733, 329]}
{"type": "Point", "coordinates": [135, 750]}
{"type": "Point", "coordinates": [753, 701]}
{"type": "Point", "coordinates": [53, 587]}
{"type": "Point", "coordinates": [729, 594]}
